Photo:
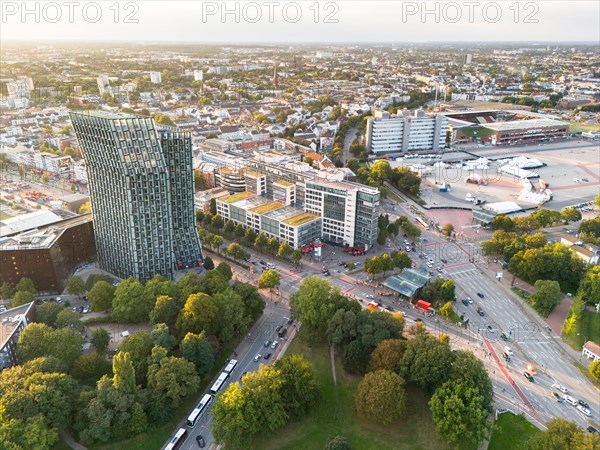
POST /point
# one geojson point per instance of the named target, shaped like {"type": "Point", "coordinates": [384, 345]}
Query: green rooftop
{"type": "Point", "coordinates": [284, 183]}
{"type": "Point", "coordinates": [267, 207]}
{"type": "Point", "coordinates": [300, 219]}
{"type": "Point", "coordinates": [237, 197]}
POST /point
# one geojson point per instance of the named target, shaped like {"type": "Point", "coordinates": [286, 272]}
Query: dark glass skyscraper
{"type": "Point", "coordinates": [141, 186]}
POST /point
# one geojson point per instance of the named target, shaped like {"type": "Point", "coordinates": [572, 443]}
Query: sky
{"type": "Point", "coordinates": [300, 21]}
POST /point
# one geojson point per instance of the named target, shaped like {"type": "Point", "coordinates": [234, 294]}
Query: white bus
{"type": "Point", "coordinates": [230, 366]}
{"type": "Point", "coordinates": [422, 223]}
{"type": "Point", "coordinates": [215, 387]}
{"type": "Point", "coordinates": [177, 440]}
{"type": "Point", "coordinates": [199, 410]}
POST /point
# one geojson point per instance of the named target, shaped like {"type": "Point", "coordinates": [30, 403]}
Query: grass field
{"type": "Point", "coordinates": [334, 415]}
{"type": "Point", "coordinates": [588, 329]}
{"type": "Point", "coordinates": [511, 431]}
{"type": "Point", "coordinates": [579, 127]}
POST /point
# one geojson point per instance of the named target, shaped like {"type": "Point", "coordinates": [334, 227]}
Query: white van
{"type": "Point", "coordinates": [570, 400]}
{"type": "Point", "coordinates": [509, 351]}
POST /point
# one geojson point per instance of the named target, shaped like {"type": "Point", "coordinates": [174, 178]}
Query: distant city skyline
{"type": "Point", "coordinates": [288, 22]}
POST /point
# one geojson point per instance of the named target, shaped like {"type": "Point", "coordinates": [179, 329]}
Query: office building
{"type": "Point", "coordinates": [141, 185]}
{"type": "Point", "coordinates": [198, 75]}
{"type": "Point", "coordinates": [390, 133]}
{"type": "Point", "coordinates": [155, 77]}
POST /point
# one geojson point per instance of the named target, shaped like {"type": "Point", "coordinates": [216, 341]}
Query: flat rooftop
{"type": "Point", "coordinates": [26, 222]}
{"type": "Point", "coordinates": [10, 320]}
{"type": "Point", "coordinates": [283, 183]}
{"type": "Point", "coordinates": [267, 207]}
{"type": "Point", "coordinates": [237, 197]}
{"type": "Point", "coordinates": [301, 219]}
{"type": "Point", "coordinates": [524, 124]}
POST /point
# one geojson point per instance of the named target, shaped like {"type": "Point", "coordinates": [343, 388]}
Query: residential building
{"type": "Point", "coordinates": [198, 75]}
{"type": "Point", "coordinates": [389, 133]}
{"type": "Point", "coordinates": [141, 185]}
{"type": "Point", "coordinates": [12, 322]}
{"type": "Point", "coordinates": [591, 350]}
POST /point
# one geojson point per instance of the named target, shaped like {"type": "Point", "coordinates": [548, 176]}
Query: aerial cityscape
{"type": "Point", "coordinates": [329, 225]}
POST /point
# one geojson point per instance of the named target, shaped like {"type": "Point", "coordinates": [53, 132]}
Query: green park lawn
{"type": "Point", "coordinates": [511, 431]}
{"type": "Point", "coordinates": [588, 329]}
{"type": "Point", "coordinates": [580, 127]}
{"type": "Point", "coordinates": [334, 415]}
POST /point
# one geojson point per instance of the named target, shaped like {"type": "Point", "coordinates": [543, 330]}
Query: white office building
{"type": "Point", "coordinates": [155, 77]}
{"type": "Point", "coordinates": [389, 133]}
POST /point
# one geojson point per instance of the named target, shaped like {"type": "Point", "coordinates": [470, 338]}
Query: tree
{"type": "Point", "coordinates": [526, 224]}
{"type": "Point", "coordinates": [337, 443]}
{"type": "Point", "coordinates": [236, 251]}
{"type": "Point", "coordinates": [124, 373]}
{"type": "Point", "coordinates": [100, 340]}
{"type": "Point", "coordinates": [546, 217]}
{"type": "Point", "coordinates": [69, 319]}
{"type": "Point", "coordinates": [269, 279]}
{"type": "Point", "coordinates": [570, 215]}
{"type": "Point", "coordinates": [239, 231]}
{"type": "Point", "coordinates": [199, 314]}
{"type": "Point", "coordinates": [426, 362]}
{"type": "Point", "coordinates": [38, 340]}
{"type": "Point", "coordinates": [589, 287]}
{"type": "Point", "coordinates": [386, 263]}
{"type": "Point", "coordinates": [300, 388]}
{"type": "Point", "coordinates": [216, 242]}
{"type": "Point", "coordinates": [380, 397]}
{"type": "Point", "coordinates": [75, 285]}
{"type": "Point", "coordinates": [254, 304]}
{"type": "Point", "coordinates": [190, 283]}
{"type": "Point", "coordinates": [597, 201]}
{"type": "Point", "coordinates": [208, 263]}
{"type": "Point", "coordinates": [273, 245]}
{"type": "Point", "coordinates": [225, 270]}
{"type": "Point", "coordinates": [161, 336]}
{"type": "Point", "coordinates": [131, 303]}
{"type": "Point", "coordinates": [448, 229]}
{"type": "Point", "coordinates": [47, 312]}
{"type": "Point", "coordinates": [7, 290]}
{"type": "Point", "coordinates": [296, 256]}
{"type": "Point", "coordinates": [196, 349]}
{"type": "Point", "coordinates": [90, 368]}
{"type": "Point", "coordinates": [595, 370]}
{"type": "Point", "coordinates": [101, 296]}
{"type": "Point", "coordinates": [159, 285]}
{"type": "Point", "coordinates": [26, 285]}
{"type": "Point", "coordinates": [139, 346]}
{"type": "Point", "coordinates": [459, 413]}
{"type": "Point", "coordinates": [165, 311]}
{"type": "Point", "coordinates": [381, 171]}
{"type": "Point", "coordinates": [503, 222]}
{"type": "Point", "coordinates": [387, 355]}
{"type": "Point", "coordinates": [21, 298]}
{"type": "Point", "coordinates": [469, 369]}
{"type": "Point", "coordinates": [229, 227]}
{"type": "Point", "coordinates": [175, 378]}
{"type": "Point", "coordinates": [213, 283]}
{"type": "Point", "coordinates": [285, 250]}
{"type": "Point", "coordinates": [261, 242]}
{"type": "Point", "coordinates": [373, 266]}
{"type": "Point", "coordinates": [217, 222]}
{"type": "Point", "coordinates": [382, 236]}
{"type": "Point", "coordinates": [199, 216]}
{"type": "Point", "coordinates": [562, 434]}
{"type": "Point", "coordinates": [547, 296]}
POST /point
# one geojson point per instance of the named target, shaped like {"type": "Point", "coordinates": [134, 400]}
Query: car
{"type": "Point", "coordinates": [480, 295]}
{"type": "Point", "coordinates": [470, 300]}
{"type": "Point", "coordinates": [290, 321]}
{"type": "Point", "coordinates": [267, 343]}
{"type": "Point", "coordinates": [506, 356]}
{"type": "Point", "coordinates": [578, 242]}
{"type": "Point", "coordinates": [480, 312]}
{"type": "Point", "coordinates": [585, 411]}
{"type": "Point", "coordinates": [490, 328]}
{"type": "Point", "coordinates": [528, 376]}
{"type": "Point", "coordinates": [282, 332]}
{"type": "Point", "coordinates": [465, 302]}
{"type": "Point", "coordinates": [389, 308]}
{"type": "Point", "coordinates": [592, 430]}
{"type": "Point", "coordinates": [584, 404]}
{"type": "Point", "coordinates": [200, 441]}
{"type": "Point", "coordinates": [58, 300]}
{"type": "Point", "coordinates": [556, 396]}
{"type": "Point", "coordinates": [403, 314]}
{"type": "Point", "coordinates": [440, 270]}
{"type": "Point", "coordinates": [569, 231]}
{"type": "Point", "coordinates": [262, 263]}
{"type": "Point", "coordinates": [86, 310]}
{"type": "Point", "coordinates": [257, 357]}
{"type": "Point", "coordinates": [274, 344]}
{"type": "Point", "coordinates": [561, 388]}
{"type": "Point", "coordinates": [445, 261]}
{"type": "Point", "coordinates": [509, 350]}
{"type": "Point", "coordinates": [267, 356]}
{"type": "Point", "coordinates": [74, 309]}
{"type": "Point", "coordinates": [504, 336]}
{"type": "Point", "coordinates": [369, 296]}
{"type": "Point", "coordinates": [570, 400]}
{"type": "Point", "coordinates": [279, 327]}
{"type": "Point", "coordinates": [418, 320]}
